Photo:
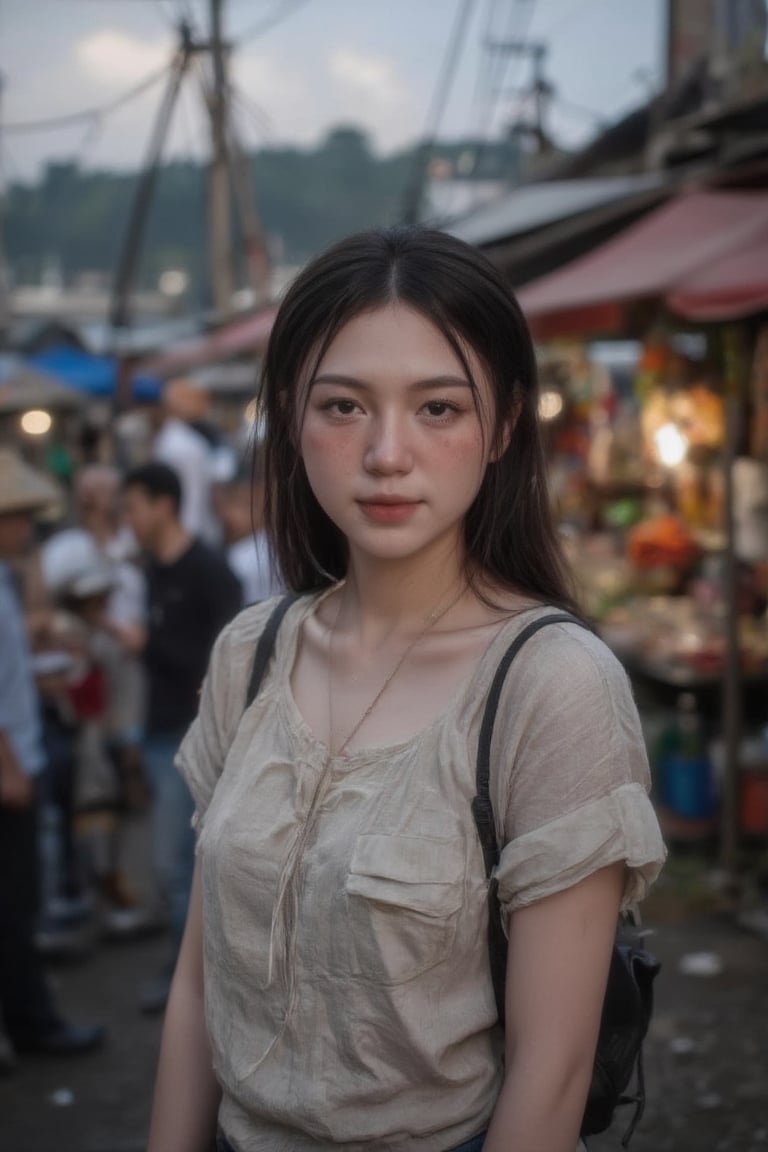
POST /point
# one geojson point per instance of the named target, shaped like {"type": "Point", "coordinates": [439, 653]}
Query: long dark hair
{"type": "Point", "coordinates": [509, 534]}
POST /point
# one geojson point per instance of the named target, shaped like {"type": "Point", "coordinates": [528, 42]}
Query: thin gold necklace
{"type": "Point", "coordinates": [433, 618]}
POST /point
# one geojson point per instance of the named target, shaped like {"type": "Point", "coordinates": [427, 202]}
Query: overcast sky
{"type": "Point", "coordinates": [374, 63]}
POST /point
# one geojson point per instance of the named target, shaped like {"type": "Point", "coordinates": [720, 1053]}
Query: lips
{"type": "Point", "coordinates": [388, 509]}
{"type": "Point", "coordinates": [395, 500]}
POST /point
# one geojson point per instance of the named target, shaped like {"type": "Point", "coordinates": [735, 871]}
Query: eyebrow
{"type": "Point", "coordinates": [417, 385]}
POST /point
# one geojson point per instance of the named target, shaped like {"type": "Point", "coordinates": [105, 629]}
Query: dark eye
{"type": "Point", "coordinates": [340, 407]}
{"type": "Point", "coordinates": [438, 408]}
{"type": "Point", "coordinates": [346, 407]}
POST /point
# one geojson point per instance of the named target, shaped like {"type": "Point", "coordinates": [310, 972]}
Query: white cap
{"type": "Point", "coordinates": [73, 565]}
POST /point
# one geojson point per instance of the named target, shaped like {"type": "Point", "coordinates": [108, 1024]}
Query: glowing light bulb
{"type": "Point", "coordinates": [36, 422]}
{"type": "Point", "coordinates": [671, 445]}
{"type": "Point", "coordinates": [550, 405]}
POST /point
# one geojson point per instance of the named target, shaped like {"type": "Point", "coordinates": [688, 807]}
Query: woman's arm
{"type": "Point", "coordinates": [186, 1093]}
{"type": "Point", "coordinates": [559, 955]}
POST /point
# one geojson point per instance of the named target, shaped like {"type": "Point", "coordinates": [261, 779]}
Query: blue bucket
{"type": "Point", "coordinates": [688, 787]}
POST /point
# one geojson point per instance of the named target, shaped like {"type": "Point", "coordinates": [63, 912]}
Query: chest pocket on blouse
{"type": "Point", "coordinates": [403, 898]}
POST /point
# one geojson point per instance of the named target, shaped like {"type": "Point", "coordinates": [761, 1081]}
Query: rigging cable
{"type": "Point", "coordinates": [496, 79]}
{"type": "Point", "coordinates": [482, 89]}
{"type": "Point", "coordinates": [258, 115]}
{"type": "Point", "coordinates": [415, 186]}
{"type": "Point", "coordinates": [577, 10]}
{"type": "Point", "coordinates": [90, 113]}
{"type": "Point", "coordinates": [286, 9]}
{"type": "Point", "coordinates": [519, 33]}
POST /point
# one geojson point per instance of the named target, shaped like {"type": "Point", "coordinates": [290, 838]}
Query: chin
{"type": "Point", "coordinates": [392, 549]}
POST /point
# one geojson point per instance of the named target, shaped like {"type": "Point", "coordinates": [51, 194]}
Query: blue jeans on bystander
{"type": "Point", "coordinates": [173, 838]}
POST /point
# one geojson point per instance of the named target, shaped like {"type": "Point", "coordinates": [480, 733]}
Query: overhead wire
{"type": "Point", "coordinates": [92, 114]}
{"type": "Point", "coordinates": [258, 115]}
{"type": "Point", "coordinates": [186, 11]}
{"type": "Point", "coordinates": [481, 91]}
{"type": "Point", "coordinates": [577, 9]}
{"type": "Point", "coordinates": [414, 187]}
{"type": "Point", "coordinates": [165, 16]}
{"type": "Point", "coordinates": [128, 2]}
{"type": "Point", "coordinates": [600, 120]}
{"type": "Point", "coordinates": [596, 117]}
{"type": "Point", "coordinates": [286, 9]}
{"type": "Point", "coordinates": [515, 29]}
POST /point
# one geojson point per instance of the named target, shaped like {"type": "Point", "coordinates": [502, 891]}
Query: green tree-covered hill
{"type": "Point", "coordinates": [307, 198]}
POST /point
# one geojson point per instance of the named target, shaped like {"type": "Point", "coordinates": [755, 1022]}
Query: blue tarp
{"type": "Point", "coordinates": [96, 375]}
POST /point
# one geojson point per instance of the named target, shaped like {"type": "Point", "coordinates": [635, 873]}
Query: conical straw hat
{"type": "Point", "coordinates": [23, 488]}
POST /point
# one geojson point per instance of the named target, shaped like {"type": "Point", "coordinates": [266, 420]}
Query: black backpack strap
{"type": "Point", "coordinates": [481, 805]}
{"type": "Point", "coordinates": [482, 808]}
{"type": "Point", "coordinates": [629, 996]}
{"type": "Point", "coordinates": [266, 646]}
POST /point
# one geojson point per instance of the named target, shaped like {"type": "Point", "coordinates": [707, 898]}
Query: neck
{"type": "Point", "coordinates": [172, 542]}
{"type": "Point", "coordinates": [383, 597]}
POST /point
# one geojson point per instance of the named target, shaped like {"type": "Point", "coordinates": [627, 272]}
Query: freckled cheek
{"type": "Point", "coordinates": [461, 455]}
{"type": "Point", "coordinates": [327, 445]}
{"type": "Point", "coordinates": [328, 456]}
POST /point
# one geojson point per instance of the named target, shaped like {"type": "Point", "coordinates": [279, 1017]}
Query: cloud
{"type": "Point", "coordinates": [304, 98]}
{"type": "Point", "coordinates": [278, 89]}
{"type": "Point", "coordinates": [374, 77]}
{"type": "Point", "coordinates": [115, 57]}
{"type": "Point", "coordinates": [372, 88]}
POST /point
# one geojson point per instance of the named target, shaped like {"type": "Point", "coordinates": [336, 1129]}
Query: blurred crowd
{"type": "Point", "coordinates": [107, 621]}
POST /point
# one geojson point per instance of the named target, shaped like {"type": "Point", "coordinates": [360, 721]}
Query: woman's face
{"type": "Point", "coordinates": [392, 440]}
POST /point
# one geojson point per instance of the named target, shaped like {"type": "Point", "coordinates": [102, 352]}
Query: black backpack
{"type": "Point", "coordinates": [628, 1000]}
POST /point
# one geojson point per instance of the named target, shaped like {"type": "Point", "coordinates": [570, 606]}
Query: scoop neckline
{"type": "Point", "coordinates": [373, 751]}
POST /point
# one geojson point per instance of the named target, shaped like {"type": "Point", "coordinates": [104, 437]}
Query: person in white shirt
{"type": "Point", "coordinates": [239, 504]}
{"type": "Point", "coordinates": [183, 447]}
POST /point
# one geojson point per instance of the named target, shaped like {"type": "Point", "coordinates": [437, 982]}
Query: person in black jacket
{"type": "Point", "coordinates": [191, 595]}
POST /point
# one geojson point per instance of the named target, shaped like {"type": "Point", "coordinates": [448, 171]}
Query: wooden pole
{"type": "Point", "coordinates": [250, 222]}
{"type": "Point", "coordinates": [5, 280]}
{"type": "Point", "coordinates": [734, 346]}
{"type": "Point", "coordinates": [242, 187]}
{"type": "Point", "coordinates": [220, 223]}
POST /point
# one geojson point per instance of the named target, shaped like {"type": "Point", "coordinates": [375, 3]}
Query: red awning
{"type": "Point", "coordinates": [247, 334]}
{"type": "Point", "coordinates": [735, 286]}
{"type": "Point", "coordinates": [698, 247]}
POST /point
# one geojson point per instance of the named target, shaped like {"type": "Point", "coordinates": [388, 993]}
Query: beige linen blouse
{"type": "Point", "coordinates": [347, 988]}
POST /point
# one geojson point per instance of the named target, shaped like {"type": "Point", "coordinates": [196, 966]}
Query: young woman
{"type": "Point", "coordinates": [337, 929]}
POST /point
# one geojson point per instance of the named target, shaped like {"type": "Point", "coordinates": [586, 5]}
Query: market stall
{"type": "Point", "coordinates": [666, 515]}
{"type": "Point", "coordinates": [39, 413]}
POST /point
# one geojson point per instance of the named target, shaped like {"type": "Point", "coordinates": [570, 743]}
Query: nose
{"type": "Point", "coordinates": [388, 451]}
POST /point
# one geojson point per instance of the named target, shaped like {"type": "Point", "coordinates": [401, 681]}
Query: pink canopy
{"type": "Point", "coordinates": [735, 286]}
{"type": "Point", "coordinates": [705, 253]}
{"type": "Point", "coordinates": [246, 334]}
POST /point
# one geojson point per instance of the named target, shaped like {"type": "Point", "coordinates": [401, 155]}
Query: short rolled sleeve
{"type": "Point", "coordinates": [574, 796]}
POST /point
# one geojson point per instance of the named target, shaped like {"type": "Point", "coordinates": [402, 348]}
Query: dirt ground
{"type": "Point", "coordinates": [706, 1055]}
